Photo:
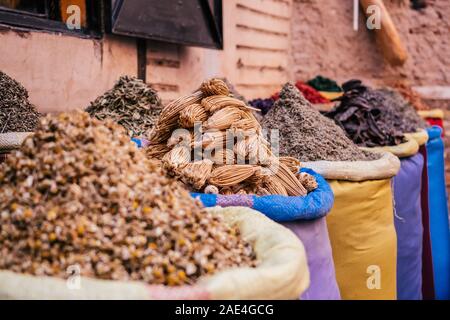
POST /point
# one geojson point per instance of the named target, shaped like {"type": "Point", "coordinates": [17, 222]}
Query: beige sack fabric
{"type": "Point", "coordinates": [281, 274]}
{"type": "Point", "coordinates": [420, 136]}
{"type": "Point", "coordinates": [406, 149]}
{"type": "Point", "coordinates": [12, 140]}
{"type": "Point", "coordinates": [385, 167]}
{"type": "Point", "coordinates": [433, 113]}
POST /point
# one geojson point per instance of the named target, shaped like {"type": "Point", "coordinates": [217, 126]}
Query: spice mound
{"type": "Point", "coordinates": [130, 103]}
{"type": "Point", "coordinates": [411, 96]}
{"type": "Point", "coordinates": [310, 94]}
{"type": "Point", "coordinates": [80, 194]}
{"type": "Point", "coordinates": [321, 83]}
{"type": "Point", "coordinates": [375, 117]}
{"type": "Point", "coordinates": [213, 143]}
{"type": "Point", "coordinates": [17, 114]}
{"type": "Point", "coordinates": [306, 134]}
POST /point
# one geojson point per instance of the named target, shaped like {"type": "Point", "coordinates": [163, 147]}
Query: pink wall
{"type": "Point", "coordinates": [63, 72]}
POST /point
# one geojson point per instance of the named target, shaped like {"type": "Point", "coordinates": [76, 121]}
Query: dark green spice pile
{"type": "Point", "coordinates": [17, 114]}
{"type": "Point", "coordinates": [130, 103]}
{"type": "Point", "coordinates": [321, 83]}
{"type": "Point", "coordinates": [306, 134]}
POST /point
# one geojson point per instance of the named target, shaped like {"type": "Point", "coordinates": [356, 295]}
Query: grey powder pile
{"type": "Point", "coordinates": [17, 114]}
{"type": "Point", "coordinates": [307, 135]}
{"type": "Point", "coordinates": [130, 103]}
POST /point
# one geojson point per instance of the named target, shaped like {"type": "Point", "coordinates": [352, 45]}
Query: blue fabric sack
{"type": "Point", "coordinates": [314, 205]}
{"type": "Point", "coordinates": [439, 223]}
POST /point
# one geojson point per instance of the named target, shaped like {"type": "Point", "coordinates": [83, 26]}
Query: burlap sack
{"type": "Point", "coordinates": [385, 167]}
{"type": "Point", "coordinates": [406, 149]}
{"type": "Point", "coordinates": [281, 274]}
{"type": "Point", "coordinates": [12, 140]}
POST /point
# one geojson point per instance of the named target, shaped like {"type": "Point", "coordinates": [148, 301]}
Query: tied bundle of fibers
{"type": "Point", "coordinates": [229, 154]}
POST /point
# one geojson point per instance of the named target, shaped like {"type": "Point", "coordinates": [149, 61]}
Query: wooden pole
{"type": "Point", "coordinates": [387, 36]}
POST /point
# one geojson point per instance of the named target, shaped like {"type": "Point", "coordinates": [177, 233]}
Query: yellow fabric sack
{"type": "Point", "coordinates": [361, 225]}
{"type": "Point", "coordinates": [363, 239]}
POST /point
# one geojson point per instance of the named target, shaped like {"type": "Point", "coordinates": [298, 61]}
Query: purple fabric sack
{"type": "Point", "coordinates": [408, 224]}
{"type": "Point", "coordinates": [314, 235]}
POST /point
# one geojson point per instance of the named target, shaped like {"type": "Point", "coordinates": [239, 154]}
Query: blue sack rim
{"type": "Point", "coordinates": [314, 205]}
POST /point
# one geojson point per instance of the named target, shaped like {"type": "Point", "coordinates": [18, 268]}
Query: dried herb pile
{"type": "Point", "coordinates": [306, 134]}
{"type": "Point", "coordinates": [374, 117]}
{"type": "Point", "coordinates": [17, 114]}
{"type": "Point", "coordinates": [400, 111]}
{"type": "Point", "coordinates": [321, 83]}
{"type": "Point", "coordinates": [228, 154]}
{"type": "Point", "coordinates": [130, 103]}
{"type": "Point", "coordinates": [411, 96]}
{"type": "Point", "coordinates": [80, 193]}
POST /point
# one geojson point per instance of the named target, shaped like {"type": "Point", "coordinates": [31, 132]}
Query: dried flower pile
{"type": "Point", "coordinates": [130, 103]}
{"type": "Point", "coordinates": [80, 193]}
{"type": "Point", "coordinates": [17, 114]}
{"type": "Point", "coordinates": [234, 157]}
{"type": "Point", "coordinates": [308, 135]}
